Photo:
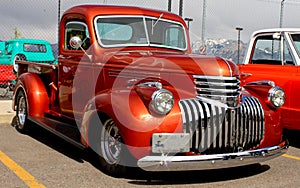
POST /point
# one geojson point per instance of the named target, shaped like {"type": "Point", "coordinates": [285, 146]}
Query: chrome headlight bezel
{"type": "Point", "coordinates": [276, 97]}
{"type": "Point", "coordinates": [162, 102]}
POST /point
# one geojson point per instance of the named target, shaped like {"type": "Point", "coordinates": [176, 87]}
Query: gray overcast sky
{"type": "Point", "coordinates": [38, 18]}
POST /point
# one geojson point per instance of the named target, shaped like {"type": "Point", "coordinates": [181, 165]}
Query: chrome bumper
{"type": "Point", "coordinates": [205, 162]}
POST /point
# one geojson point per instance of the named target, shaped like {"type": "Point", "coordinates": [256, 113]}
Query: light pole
{"type": "Point", "coordinates": [281, 13]}
{"type": "Point", "coordinates": [239, 29]}
{"type": "Point", "coordinates": [188, 20]}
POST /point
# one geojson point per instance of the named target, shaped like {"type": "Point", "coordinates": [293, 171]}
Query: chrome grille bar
{"type": "Point", "coordinates": [217, 90]}
{"type": "Point", "coordinates": [224, 89]}
{"type": "Point", "coordinates": [215, 128]}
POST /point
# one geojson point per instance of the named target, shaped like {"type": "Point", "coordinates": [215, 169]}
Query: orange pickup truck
{"type": "Point", "coordinates": [127, 86]}
{"type": "Point", "coordinates": [273, 54]}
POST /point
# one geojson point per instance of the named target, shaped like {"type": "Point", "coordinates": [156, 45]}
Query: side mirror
{"type": "Point", "coordinates": [276, 36]}
{"type": "Point", "coordinates": [1, 52]}
{"type": "Point", "coordinates": [75, 42]}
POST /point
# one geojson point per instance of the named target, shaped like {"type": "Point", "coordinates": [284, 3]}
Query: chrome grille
{"type": "Point", "coordinates": [224, 89]}
{"type": "Point", "coordinates": [215, 129]}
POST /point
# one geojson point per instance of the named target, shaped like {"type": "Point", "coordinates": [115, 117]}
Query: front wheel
{"type": "Point", "coordinates": [111, 142]}
{"type": "Point", "coordinates": [114, 157]}
{"type": "Point", "coordinates": [22, 113]}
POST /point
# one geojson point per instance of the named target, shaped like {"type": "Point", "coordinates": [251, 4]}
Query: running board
{"type": "Point", "coordinates": [69, 133]}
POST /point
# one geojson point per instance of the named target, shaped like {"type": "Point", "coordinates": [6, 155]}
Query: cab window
{"type": "Point", "coordinates": [77, 29]}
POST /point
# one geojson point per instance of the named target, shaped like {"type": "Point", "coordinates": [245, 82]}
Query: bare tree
{"type": "Point", "coordinates": [17, 34]}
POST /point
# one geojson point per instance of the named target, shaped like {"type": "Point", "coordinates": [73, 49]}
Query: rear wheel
{"type": "Point", "coordinates": [22, 113]}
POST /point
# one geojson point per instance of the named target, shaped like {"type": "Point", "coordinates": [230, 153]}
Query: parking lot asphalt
{"type": "Point", "coordinates": [42, 159]}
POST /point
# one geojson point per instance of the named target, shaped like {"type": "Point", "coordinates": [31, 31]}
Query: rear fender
{"type": "Point", "coordinates": [35, 92]}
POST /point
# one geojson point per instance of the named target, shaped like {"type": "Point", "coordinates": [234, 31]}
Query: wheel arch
{"type": "Point", "coordinates": [35, 93]}
{"type": "Point", "coordinates": [99, 110]}
{"type": "Point", "coordinates": [135, 131]}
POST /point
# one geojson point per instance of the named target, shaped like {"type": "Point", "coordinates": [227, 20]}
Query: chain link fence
{"type": "Point", "coordinates": [35, 19]}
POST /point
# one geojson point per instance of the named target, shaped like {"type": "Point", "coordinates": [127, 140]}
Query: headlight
{"type": "Point", "coordinates": [162, 102]}
{"type": "Point", "coordinates": [276, 96]}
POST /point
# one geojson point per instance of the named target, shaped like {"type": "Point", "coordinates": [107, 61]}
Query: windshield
{"type": "Point", "coordinates": [122, 31]}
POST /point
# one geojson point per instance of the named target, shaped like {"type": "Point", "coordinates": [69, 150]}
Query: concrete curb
{"type": "Point", "coordinates": [6, 112]}
{"type": "Point", "coordinates": [6, 118]}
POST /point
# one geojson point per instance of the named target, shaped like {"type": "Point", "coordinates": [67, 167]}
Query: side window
{"type": "Point", "coordinates": [34, 48]}
{"type": "Point", "coordinates": [77, 29]}
{"type": "Point", "coordinates": [268, 50]}
{"type": "Point", "coordinates": [8, 48]}
{"type": "Point", "coordinates": [296, 41]}
{"type": "Point", "coordinates": [288, 60]}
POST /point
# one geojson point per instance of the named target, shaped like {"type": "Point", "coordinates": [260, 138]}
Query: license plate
{"type": "Point", "coordinates": [170, 142]}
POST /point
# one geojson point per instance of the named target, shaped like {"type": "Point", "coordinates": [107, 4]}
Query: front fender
{"type": "Point", "coordinates": [135, 123]}
{"type": "Point", "coordinates": [273, 129]}
{"type": "Point", "coordinates": [35, 92]}
{"type": "Point", "coordinates": [260, 88]}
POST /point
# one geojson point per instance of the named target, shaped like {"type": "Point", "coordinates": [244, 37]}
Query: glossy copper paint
{"type": "Point", "coordinates": [37, 96]}
{"type": "Point", "coordinates": [107, 81]}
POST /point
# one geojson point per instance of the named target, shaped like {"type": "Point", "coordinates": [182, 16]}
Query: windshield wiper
{"type": "Point", "coordinates": [153, 25]}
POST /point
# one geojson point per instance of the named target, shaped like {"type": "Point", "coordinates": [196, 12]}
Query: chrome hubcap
{"type": "Point", "coordinates": [110, 142]}
{"type": "Point", "coordinates": [21, 111]}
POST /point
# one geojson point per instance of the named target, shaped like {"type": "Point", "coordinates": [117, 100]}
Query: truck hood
{"type": "Point", "coordinates": [192, 64]}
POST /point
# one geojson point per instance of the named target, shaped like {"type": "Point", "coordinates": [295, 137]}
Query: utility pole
{"type": "Point", "coordinates": [203, 21]}
{"type": "Point", "coordinates": [58, 21]}
{"type": "Point", "coordinates": [180, 7]}
{"type": "Point", "coordinates": [281, 13]}
{"type": "Point", "coordinates": [169, 5]}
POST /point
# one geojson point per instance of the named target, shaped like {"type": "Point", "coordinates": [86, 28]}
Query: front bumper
{"type": "Point", "coordinates": [216, 161]}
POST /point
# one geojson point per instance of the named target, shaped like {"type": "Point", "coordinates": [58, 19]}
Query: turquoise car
{"type": "Point", "coordinates": [32, 50]}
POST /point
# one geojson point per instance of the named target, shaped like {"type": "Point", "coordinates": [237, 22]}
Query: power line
{"type": "Point", "coordinates": [294, 2]}
{"type": "Point", "coordinates": [282, 3]}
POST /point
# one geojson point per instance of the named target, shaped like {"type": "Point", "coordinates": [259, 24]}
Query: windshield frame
{"type": "Point", "coordinates": [148, 42]}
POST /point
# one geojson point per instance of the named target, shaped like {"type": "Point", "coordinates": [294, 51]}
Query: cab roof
{"type": "Point", "coordinates": [105, 10]}
{"type": "Point", "coordinates": [275, 30]}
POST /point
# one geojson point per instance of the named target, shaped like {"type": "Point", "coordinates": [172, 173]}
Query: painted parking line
{"type": "Point", "coordinates": [291, 157]}
{"type": "Point", "coordinates": [27, 178]}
